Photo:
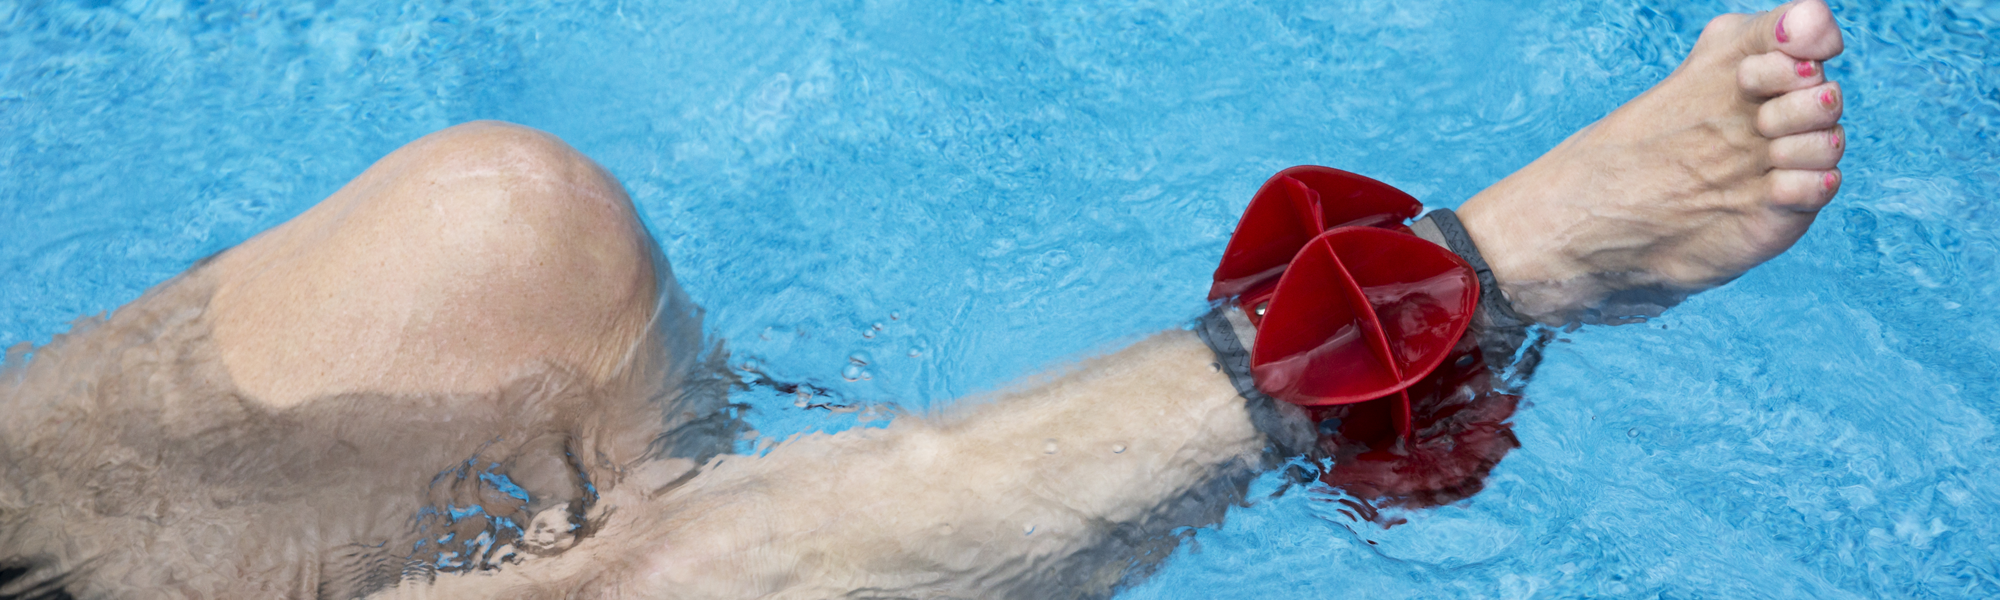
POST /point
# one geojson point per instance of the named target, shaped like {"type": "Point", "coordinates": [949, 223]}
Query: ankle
{"type": "Point", "coordinates": [1536, 276]}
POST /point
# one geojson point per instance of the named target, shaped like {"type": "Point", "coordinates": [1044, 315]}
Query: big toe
{"type": "Point", "coordinates": [1804, 29]}
{"type": "Point", "coordinates": [1782, 49]}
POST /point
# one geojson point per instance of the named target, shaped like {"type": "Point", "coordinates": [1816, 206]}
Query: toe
{"type": "Point", "coordinates": [1774, 73]}
{"type": "Point", "coordinates": [1812, 150]}
{"type": "Point", "coordinates": [1809, 31]}
{"type": "Point", "coordinates": [1804, 29]}
{"type": "Point", "coordinates": [1814, 108]}
{"type": "Point", "coordinates": [1802, 190]}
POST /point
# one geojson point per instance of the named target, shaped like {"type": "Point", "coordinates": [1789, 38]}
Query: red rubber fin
{"type": "Point", "coordinates": [1291, 209]}
{"type": "Point", "coordinates": [1361, 313]}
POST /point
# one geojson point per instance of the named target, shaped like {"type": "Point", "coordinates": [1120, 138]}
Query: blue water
{"type": "Point", "coordinates": [931, 198]}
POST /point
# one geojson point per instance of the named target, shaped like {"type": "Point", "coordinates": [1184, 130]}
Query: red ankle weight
{"type": "Point", "coordinates": [1349, 305]}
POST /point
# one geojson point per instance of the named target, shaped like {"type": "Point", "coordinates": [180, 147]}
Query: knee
{"type": "Point", "coordinates": [462, 258]}
{"type": "Point", "coordinates": [487, 171]}
{"type": "Point", "coordinates": [495, 227]}
{"type": "Point", "coordinates": [513, 202]}
{"type": "Point", "coordinates": [481, 146]}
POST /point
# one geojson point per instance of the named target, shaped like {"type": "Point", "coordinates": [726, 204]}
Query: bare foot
{"type": "Point", "coordinates": [1713, 171]}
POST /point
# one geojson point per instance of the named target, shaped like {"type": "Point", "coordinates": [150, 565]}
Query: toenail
{"type": "Point", "coordinates": [1826, 98]}
{"type": "Point", "coordinates": [1836, 140]}
{"type": "Point", "coordinates": [1830, 180]}
{"type": "Point", "coordinates": [1782, 38]}
{"type": "Point", "coordinates": [1805, 68]}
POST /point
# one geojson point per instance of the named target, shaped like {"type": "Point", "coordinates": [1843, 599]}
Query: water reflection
{"type": "Point", "coordinates": [1461, 433]}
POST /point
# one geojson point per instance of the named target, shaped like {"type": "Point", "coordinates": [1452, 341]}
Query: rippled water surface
{"type": "Point", "coordinates": [904, 202]}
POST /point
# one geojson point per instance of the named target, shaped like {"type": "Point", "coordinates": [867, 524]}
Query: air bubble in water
{"type": "Point", "coordinates": [915, 353]}
{"type": "Point", "coordinates": [853, 372]}
{"type": "Point", "coordinates": [1029, 530]}
{"type": "Point", "coordinates": [877, 326]}
{"type": "Point", "coordinates": [858, 358]}
{"type": "Point", "coordinates": [1117, 448]}
{"type": "Point", "coordinates": [1633, 432]}
{"type": "Point", "coordinates": [868, 334]}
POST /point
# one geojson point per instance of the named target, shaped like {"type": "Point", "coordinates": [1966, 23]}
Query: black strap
{"type": "Point", "coordinates": [1219, 333]}
{"type": "Point", "coordinates": [1289, 435]}
{"type": "Point", "coordinates": [1502, 332]}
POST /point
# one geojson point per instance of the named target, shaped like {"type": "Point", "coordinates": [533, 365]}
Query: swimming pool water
{"type": "Point", "coordinates": [906, 202]}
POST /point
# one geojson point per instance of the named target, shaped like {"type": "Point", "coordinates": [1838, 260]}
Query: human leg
{"type": "Point", "coordinates": [1698, 180]}
{"type": "Point", "coordinates": [731, 515]}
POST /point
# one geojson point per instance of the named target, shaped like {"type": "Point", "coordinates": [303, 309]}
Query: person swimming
{"type": "Point", "coordinates": [539, 415]}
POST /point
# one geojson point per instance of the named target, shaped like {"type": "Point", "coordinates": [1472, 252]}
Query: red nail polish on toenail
{"type": "Point", "coordinates": [1830, 180]}
{"type": "Point", "coordinates": [1805, 68]}
{"type": "Point", "coordinates": [1826, 98]}
{"type": "Point", "coordinates": [1837, 141]}
{"type": "Point", "coordinates": [1782, 38]}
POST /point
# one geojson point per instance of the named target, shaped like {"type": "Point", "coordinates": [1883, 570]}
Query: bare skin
{"type": "Point", "coordinates": [480, 256]}
{"type": "Point", "coordinates": [1714, 171]}
{"type": "Point", "coordinates": [462, 260]}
